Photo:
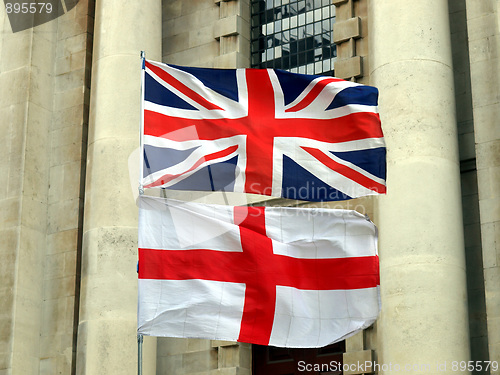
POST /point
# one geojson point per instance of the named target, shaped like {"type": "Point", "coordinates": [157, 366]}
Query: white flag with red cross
{"type": "Point", "coordinates": [281, 276]}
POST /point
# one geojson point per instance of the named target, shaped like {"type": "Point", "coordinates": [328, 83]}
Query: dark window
{"type": "Point", "coordinates": [268, 360]}
{"type": "Point", "coordinates": [294, 35]}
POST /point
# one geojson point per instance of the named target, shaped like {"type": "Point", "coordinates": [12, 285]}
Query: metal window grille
{"type": "Point", "coordinates": [294, 35]}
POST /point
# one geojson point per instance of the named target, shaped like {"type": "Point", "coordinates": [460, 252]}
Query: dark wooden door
{"type": "Point", "coordinates": [269, 360]}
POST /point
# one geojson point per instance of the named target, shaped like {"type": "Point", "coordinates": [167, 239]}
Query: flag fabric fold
{"type": "Point", "coordinates": [261, 131]}
{"type": "Point", "coordinates": [288, 277]}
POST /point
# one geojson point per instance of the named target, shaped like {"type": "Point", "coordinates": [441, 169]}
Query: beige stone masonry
{"type": "Point", "coordinates": [349, 68]}
{"type": "Point", "coordinates": [232, 31]}
{"type": "Point", "coordinates": [349, 35]}
{"type": "Point", "coordinates": [354, 362]}
{"type": "Point", "coordinates": [66, 176]}
{"type": "Point", "coordinates": [107, 330]}
{"type": "Point", "coordinates": [26, 97]}
{"type": "Point", "coordinates": [484, 41]}
{"type": "Point", "coordinates": [345, 30]}
{"type": "Point", "coordinates": [422, 272]}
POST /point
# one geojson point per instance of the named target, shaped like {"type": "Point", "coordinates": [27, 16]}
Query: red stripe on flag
{"type": "Point", "coordinates": [346, 171]}
{"type": "Point", "coordinates": [309, 98]}
{"type": "Point", "coordinates": [216, 155]}
{"type": "Point", "coordinates": [352, 127]}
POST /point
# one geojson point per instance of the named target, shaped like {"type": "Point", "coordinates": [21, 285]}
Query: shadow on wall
{"type": "Point", "coordinates": [24, 14]}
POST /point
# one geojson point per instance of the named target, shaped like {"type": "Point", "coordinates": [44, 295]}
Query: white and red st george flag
{"type": "Point", "coordinates": [281, 276]}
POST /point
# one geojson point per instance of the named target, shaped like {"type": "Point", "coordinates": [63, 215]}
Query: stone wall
{"type": "Point", "coordinates": [26, 92]}
{"type": "Point", "coordinates": [220, 39]}
{"type": "Point", "coordinates": [68, 134]}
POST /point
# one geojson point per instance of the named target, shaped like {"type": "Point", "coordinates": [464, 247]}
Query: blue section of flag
{"type": "Point", "coordinates": [215, 177]}
{"type": "Point", "coordinates": [158, 94]}
{"type": "Point", "coordinates": [222, 81]}
{"type": "Point", "coordinates": [371, 160]}
{"type": "Point", "coordinates": [365, 95]}
{"type": "Point", "coordinates": [158, 158]}
{"type": "Point", "coordinates": [293, 84]}
{"type": "Point", "coordinates": [300, 184]}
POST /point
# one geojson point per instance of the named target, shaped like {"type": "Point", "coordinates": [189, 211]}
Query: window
{"type": "Point", "coordinates": [268, 360]}
{"type": "Point", "coordinates": [294, 35]}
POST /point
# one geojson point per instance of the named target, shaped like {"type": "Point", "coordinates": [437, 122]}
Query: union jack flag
{"type": "Point", "coordinates": [261, 131]}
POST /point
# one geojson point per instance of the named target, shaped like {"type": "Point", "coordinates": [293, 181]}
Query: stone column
{"type": "Point", "coordinates": [26, 94]}
{"type": "Point", "coordinates": [423, 282]}
{"type": "Point", "coordinates": [484, 37]}
{"type": "Point", "coordinates": [107, 342]}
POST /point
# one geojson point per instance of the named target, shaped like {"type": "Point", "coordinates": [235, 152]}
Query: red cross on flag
{"type": "Point", "coordinates": [281, 276]}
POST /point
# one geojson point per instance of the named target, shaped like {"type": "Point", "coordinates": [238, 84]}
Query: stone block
{"type": "Point", "coordinates": [73, 26]}
{"type": "Point", "coordinates": [170, 346]}
{"type": "Point", "coordinates": [14, 86]}
{"type": "Point", "coordinates": [59, 287]}
{"type": "Point", "coordinates": [70, 98]}
{"type": "Point", "coordinates": [478, 9]}
{"type": "Point", "coordinates": [62, 241]}
{"type": "Point", "coordinates": [7, 275]}
{"type": "Point", "coordinates": [63, 65]}
{"type": "Point", "coordinates": [198, 345]}
{"type": "Point", "coordinates": [171, 9]}
{"type": "Point", "coordinates": [66, 153]}
{"type": "Point", "coordinates": [68, 135]}
{"type": "Point", "coordinates": [229, 356]}
{"type": "Point", "coordinates": [488, 154]}
{"type": "Point", "coordinates": [42, 54]}
{"type": "Point", "coordinates": [109, 263]}
{"type": "Point", "coordinates": [232, 60]}
{"type": "Point", "coordinates": [354, 343]}
{"type": "Point", "coordinates": [70, 116]}
{"type": "Point", "coordinates": [487, 125]}
{"type": "Point", "coordinates": [168, 28]}
{"type": "Point", "coordinates": [216, 343]}
{"type": "Point", "coordinates": [349, 68]}
{"type": "Point", "coordinates": [490, 210]}
{"type": "Point", "coordinates": [201, 56]}
{"type": "Point", "coordinates": [482, 74]}
{"type": "Point", "coordinates": [63, 215]}
{"type": "Point", "coordinates": [490, 234]}
{"type": "Point", "coordinates": [70, 80]}
{"type": "Point", "coordinates": [15, 51]}
{"type": "Point", "coordinates": [199, 361]}
{"type": "Point", "coordinates": [200, 36]}
{"type": "Point", "coordinates": [488, 181]}
{"type": "Point", "coordinates": [232, 25]}
{"type": "Point", "coordinates": [10, 210]}
{"type": "Point", "coordinates": [356, 358]}
{"type": "Point", "coordinates": [345, 30]}
{"type": "Point", "coordinates": [80, 60]}
{"type": "Point", "coordinates": [194, 6]}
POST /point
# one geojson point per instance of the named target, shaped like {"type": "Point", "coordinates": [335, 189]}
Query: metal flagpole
{"type": "Point", "coordinates": [141, 166]}
{"type": "Point", "coordinates": [141, 190]}
{"type": "Point", "coordinates": [139, 354]}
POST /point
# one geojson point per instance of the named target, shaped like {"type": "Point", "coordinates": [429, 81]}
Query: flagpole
{"type": "Point", "coordinates": [141, 188]}
{"type": "Point", "coordinates": [139, 354]}
{"type": "Point", "coordinates": [141, 166]}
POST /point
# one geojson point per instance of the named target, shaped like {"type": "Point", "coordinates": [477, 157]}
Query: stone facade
{"type": "Point", "coordinates": [69, 113]}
